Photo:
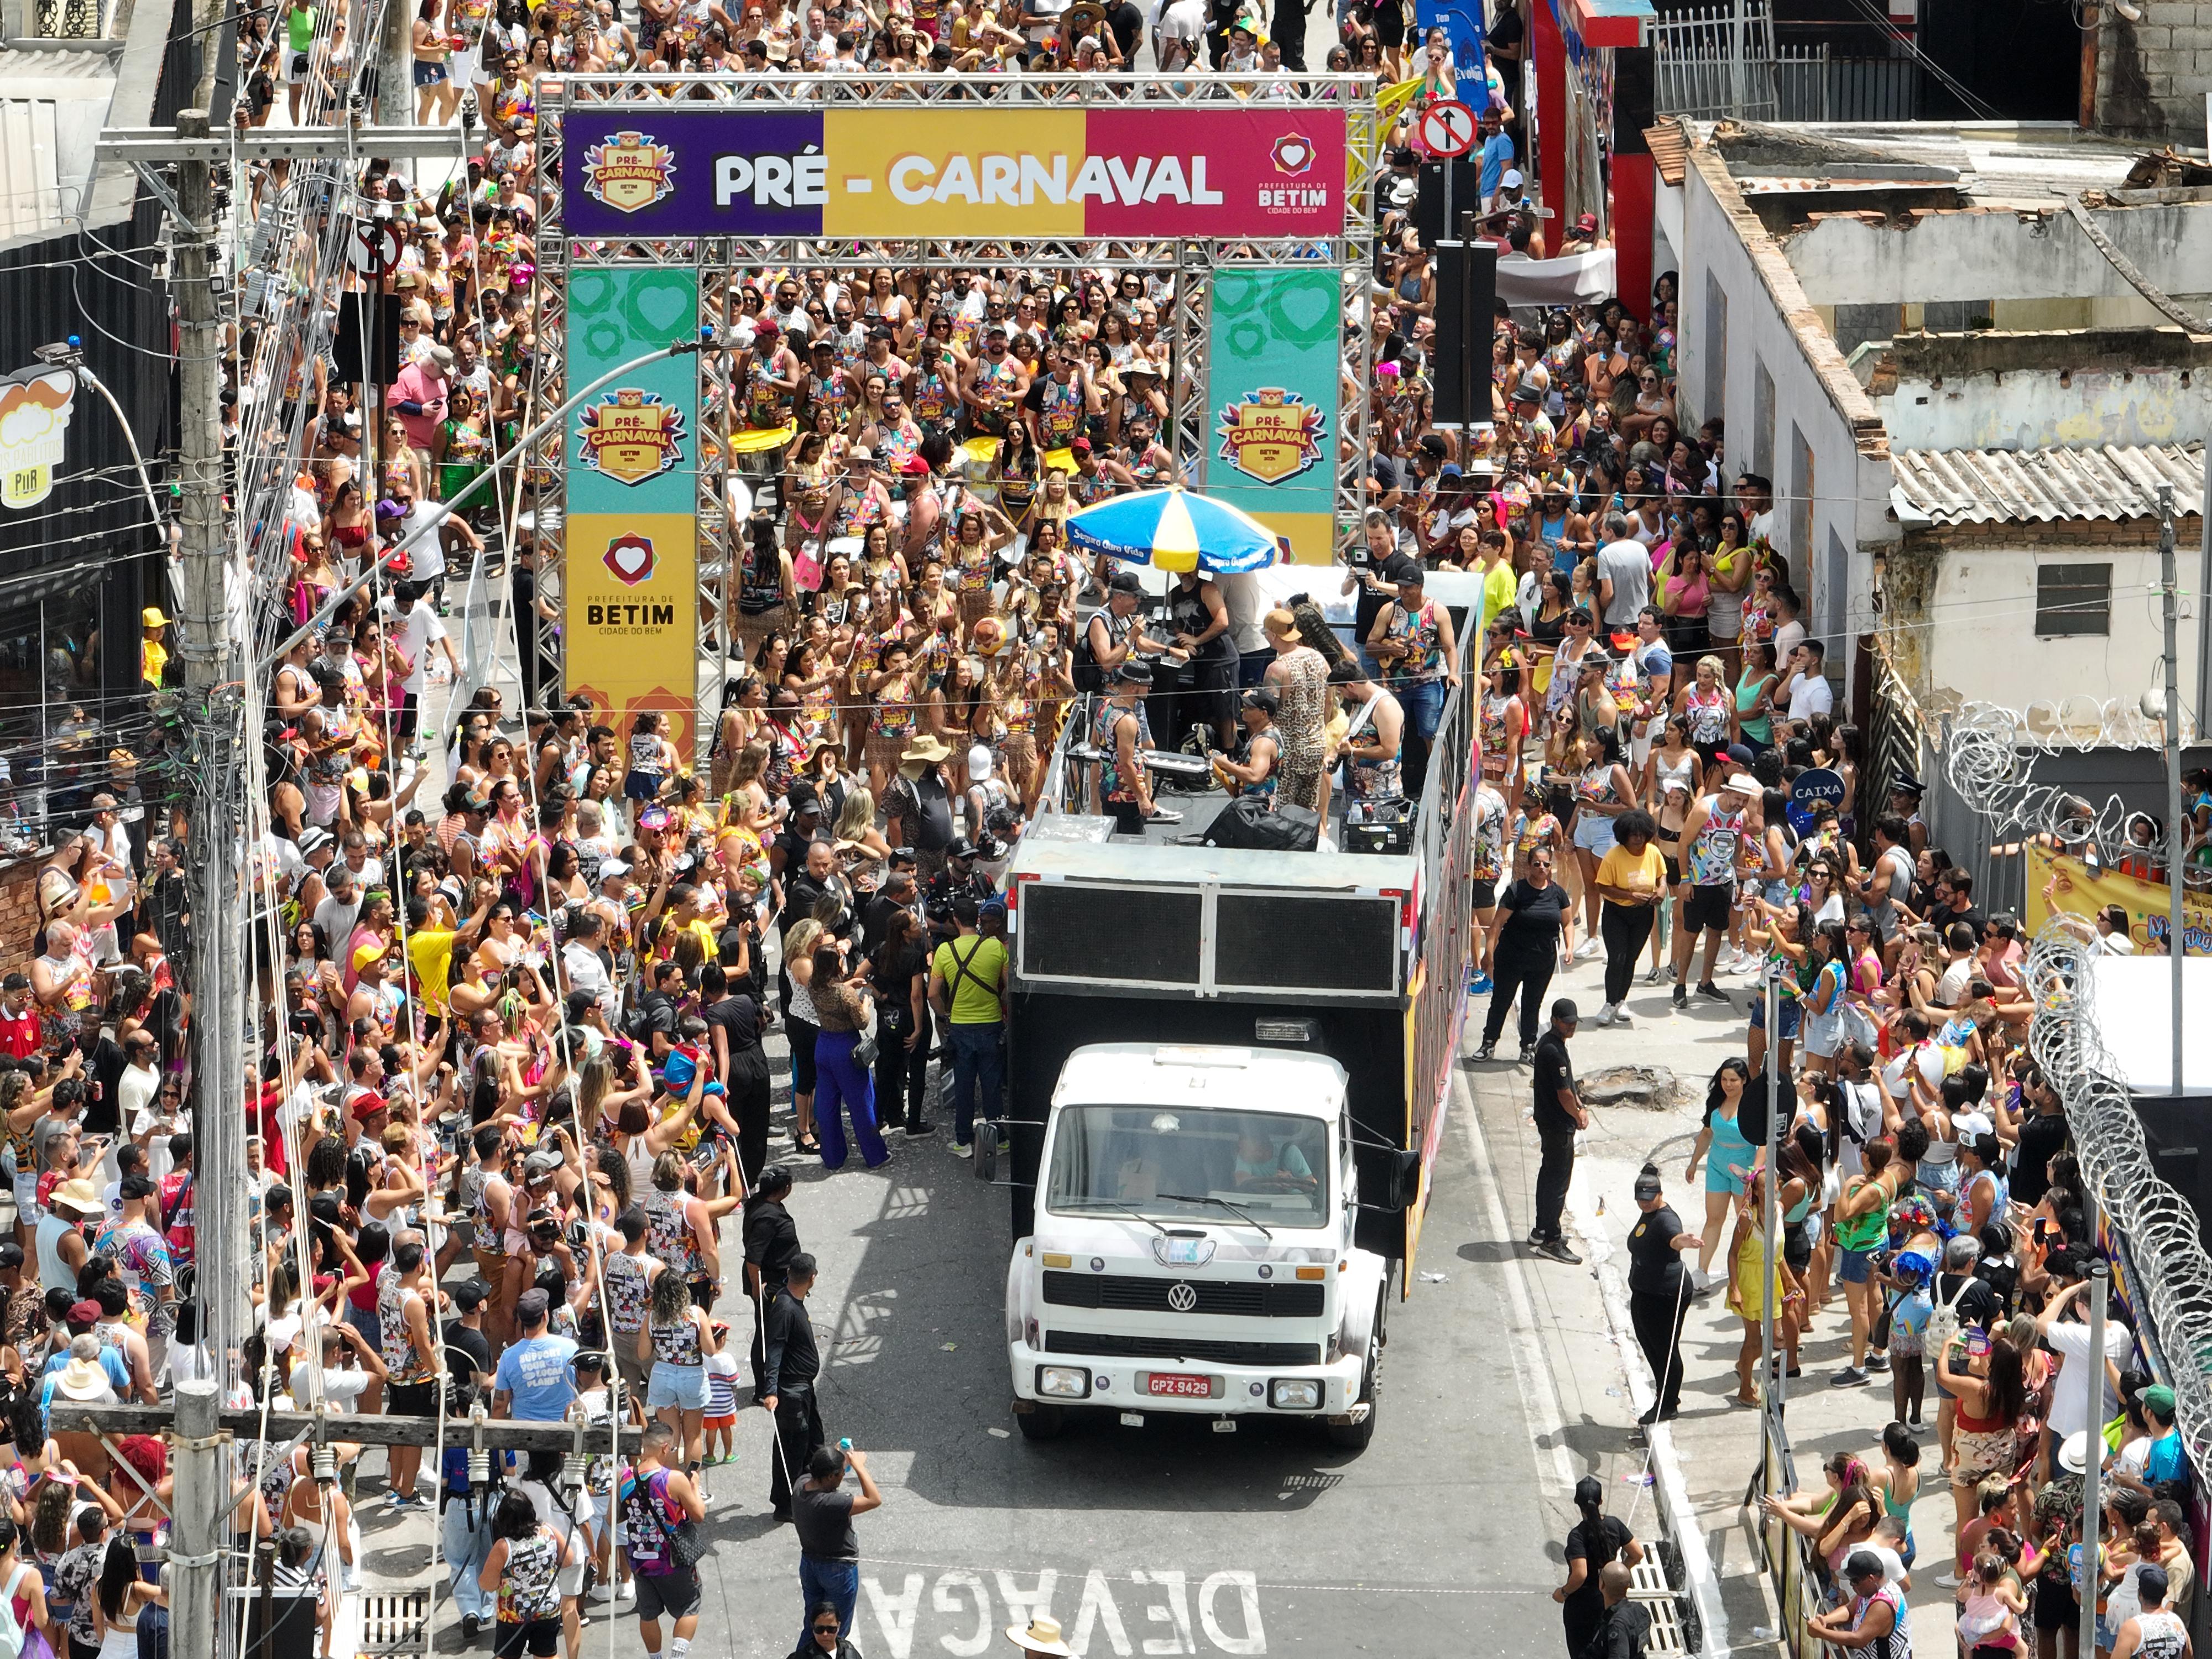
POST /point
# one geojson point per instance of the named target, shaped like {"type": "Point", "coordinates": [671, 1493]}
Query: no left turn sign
{"type": "Point", "coordinates": [1447, 129]}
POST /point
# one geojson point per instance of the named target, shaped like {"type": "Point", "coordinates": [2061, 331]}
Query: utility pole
{"type": "Point", "coordinates": [2093, 1438]}
{"type": "Point", "coordinates": [212, 713]}
{"type": "Point", "coordinates": [2176, 939]}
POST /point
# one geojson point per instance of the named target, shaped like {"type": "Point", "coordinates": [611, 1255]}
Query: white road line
{"type": "Point", "coordinates": [1530, 1368]}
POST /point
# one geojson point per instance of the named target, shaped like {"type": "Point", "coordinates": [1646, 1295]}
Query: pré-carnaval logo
{"type": "Point", "coordinates": [631, 435]}
{"type": "Point", "coordinates": [629, 171]}
{"type": "Point", "coordinates": [1271, 435]}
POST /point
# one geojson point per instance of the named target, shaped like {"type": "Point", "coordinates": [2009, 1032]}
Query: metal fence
{"type": "Point", "coordinates": [1724, 60]}
{"type": "Point", "coordinates": [1714, 61]}
{"type": "Point", "coordinates": [72, 20]}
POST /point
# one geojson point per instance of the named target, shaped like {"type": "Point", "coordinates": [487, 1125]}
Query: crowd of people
{"type": "Point", "coordinates": [520, 971]}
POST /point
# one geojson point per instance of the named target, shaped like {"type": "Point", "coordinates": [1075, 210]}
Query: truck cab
{"type": "Point", "coordinates": [1192, 1247]}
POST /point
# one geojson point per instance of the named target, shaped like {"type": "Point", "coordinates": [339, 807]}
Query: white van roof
{"type": "Point", "coordinates": [1201, 1075]}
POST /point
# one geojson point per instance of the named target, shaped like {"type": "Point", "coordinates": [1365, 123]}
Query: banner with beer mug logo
{"type": "Point", "coordinates": [631, 589]}
{"type": "Point", "coordinates": [34, 417]}
{"type": "Point", "coordinates": [1272, 362]}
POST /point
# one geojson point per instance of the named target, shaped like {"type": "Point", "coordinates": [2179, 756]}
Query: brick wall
{"type": "Point", "coordinates": [19, 912]}
{"type": "Point", "coordinates": [2152, 74]}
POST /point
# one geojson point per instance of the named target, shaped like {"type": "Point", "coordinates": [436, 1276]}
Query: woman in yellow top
{"type": "Point", "coordinates": [1748, 1295]}
{"type": "Point", "coordinates": [1631, 880]}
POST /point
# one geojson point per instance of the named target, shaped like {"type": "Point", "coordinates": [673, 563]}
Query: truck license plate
{"type": "Point", "coordinates": [1195, 1387]}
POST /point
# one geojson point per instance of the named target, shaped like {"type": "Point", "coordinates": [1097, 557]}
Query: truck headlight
{"type": "Point", "coordinates": [1294, 1394]}
{"type": "Point", "coordinates": [1063, 1381]}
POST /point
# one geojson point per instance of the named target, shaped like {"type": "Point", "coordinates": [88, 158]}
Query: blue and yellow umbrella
{"type": "Point", "coordinates": [1174, 529]}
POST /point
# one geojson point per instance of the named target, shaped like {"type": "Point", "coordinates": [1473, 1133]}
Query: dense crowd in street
{"type": "Point", "coordinates": [546, 1012]}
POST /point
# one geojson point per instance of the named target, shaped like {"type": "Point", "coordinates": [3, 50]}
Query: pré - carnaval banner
{"type": "Point", "coordinates": [2058, 882]}
{"type": "Point", "coordinates": [630, 612]}
{"type": "Point", "coordinates": [943, 171]}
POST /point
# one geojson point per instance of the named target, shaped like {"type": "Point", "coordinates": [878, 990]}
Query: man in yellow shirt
{"type": "Point", "coordinates": [1631, 879]}
{"type": "Point", "coordinates": [153, 655]}
{"type": "Point", "coordinates": [968, 989]}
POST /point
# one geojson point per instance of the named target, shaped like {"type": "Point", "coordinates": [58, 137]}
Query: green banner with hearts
{"type": "Point", "coordinates": [1273, 356]}
{"type": "Point", "coordinates": [633, 444]}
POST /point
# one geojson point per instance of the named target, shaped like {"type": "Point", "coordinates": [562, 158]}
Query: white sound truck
{"type": "Point", "coordinates": [1193, 1245]}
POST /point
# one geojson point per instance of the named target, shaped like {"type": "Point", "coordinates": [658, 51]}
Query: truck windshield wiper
{"type": "Point", "coordinates": [1127, 1208]}
{"type": "Point", "coordinates": [1242, 1215]}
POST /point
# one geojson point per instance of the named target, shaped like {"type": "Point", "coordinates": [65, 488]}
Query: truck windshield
{"type": "Point", "coordinates": [1272, 1166]}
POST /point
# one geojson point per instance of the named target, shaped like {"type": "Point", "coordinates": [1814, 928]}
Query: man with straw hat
{"type": "Point", "coordinates": [918, 806]}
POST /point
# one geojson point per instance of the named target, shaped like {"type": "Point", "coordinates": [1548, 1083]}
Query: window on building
{"type": "Point", "coordinates": [2073, 598]}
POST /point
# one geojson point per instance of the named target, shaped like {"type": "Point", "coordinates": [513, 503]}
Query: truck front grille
{"type": "Point", "coordinates": [1108, 1346]}
{"type": "Point", "coordinates": [1133, 1293]}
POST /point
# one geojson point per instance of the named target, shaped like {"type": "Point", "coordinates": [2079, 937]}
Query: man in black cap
{"type": "Point", "coordinates": [1120, 729]}
{"type": "Point", "coordinates": [1115, 632]}
{"type": "Point", "coordinates": [1658, 1295]}
{"type": "Point", "coordinates": [1905, 793]}
{"type": "Point", "coordinates": [958, 877]}
{"type": "Point", "coordinates": [790, 1363]}
{"type": "Point", "coordinates": [1560, 1114]}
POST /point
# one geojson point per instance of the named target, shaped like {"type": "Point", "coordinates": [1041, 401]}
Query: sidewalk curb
{"type": "Point", "coordinates": [1671, 1495]}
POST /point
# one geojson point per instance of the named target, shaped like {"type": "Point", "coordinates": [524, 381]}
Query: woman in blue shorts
{"type": "Point", "coordinates": [1728, 1157]}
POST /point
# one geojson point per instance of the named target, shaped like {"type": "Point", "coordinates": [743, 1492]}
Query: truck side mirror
{"type": "Point", "coordinates": [1404, 1179]}
{"type": "Point", "coordinates": [986, 1158]}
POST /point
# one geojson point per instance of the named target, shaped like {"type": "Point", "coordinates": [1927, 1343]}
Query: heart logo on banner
{"type": "Point", "coordinates": [1233, 293]}
{"type": "Point", "coordinates": [604, 339]}
{"type": "Point", "coordinates": [589, 293]}
{"type": "Point", "coordinates": [662, 306]}
{"type": "Point", "coordinates": [1293, 153]}
{"type": "Point", "coordinates": [631, 559]}
{"type": "Point", "coordinates": [1305, 309]}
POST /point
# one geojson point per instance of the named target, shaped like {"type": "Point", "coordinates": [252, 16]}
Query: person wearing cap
{"type": "Point", "coordinates": [1871, 1623]}
{"type": "Point", "coordinates": [153, 655]}
{"type": "Point", "coordinates": [1659, 1292]}
{"type": "Point", "coordinates": [959, 878]}
{"type": "Point", "coordinates": [535, 1380]}
{"type": "Point", "coordinates": [1560, 1115]}
{"type": "Point", "coordinates": [1713, 835]}
{"type": "Point", "coordinates": [918, 804]}
{"type": "Point", "coordinates": [1905, 793]}
{"type": "Point", "coordinates": [1119, 730]}
{"type": "Point", "coordinates": [2159, 1456]}
{"type": "Point", "coordinates": [1254, 774]}
{"type": "Point", "coordinates": [1116, 633]}
{"type": "Point", "coordinates": [22, 1032]}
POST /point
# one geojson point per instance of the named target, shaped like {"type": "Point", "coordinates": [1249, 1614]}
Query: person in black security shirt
{"type": "Point", "coordinates": [1658, 1293]}
{"type": "Point", "coordinates": [734, 1026]}
{"type": "Point", "coordinates": [1624, 1628]}
{"type": "Point", "coordinates": [656, 1009]}
{"type": "Point", "coordinates": [2042, 1137]}
{"type": "Point", "coordinates": [771, 1240]}
{"type": "Point", "coordinates": [959, 876]}
{"type": "Point", "coordinates": [829, 1549]}
{"type": "Point", "coordinates": [1559, 1114]}
{"type": "Point", "coordinates": [1378, 569]}
{"type": "Point", "coordinates": [1520, 949]}
{"type": "Point", "coordinates": [897, 893]}
{"type": "Point", "coordinates": [789, 1363]}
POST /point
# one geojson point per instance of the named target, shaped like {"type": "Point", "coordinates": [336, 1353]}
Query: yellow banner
{"type": "Point", "coordinates": [2057, 882]}
{"type": "Point", "coordinates": [632, 616]}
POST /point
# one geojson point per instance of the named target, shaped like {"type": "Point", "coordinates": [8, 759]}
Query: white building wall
{"type": "Point", "coordinates": [2033, 411]}
{"type": "Point", "coordinates": [1747, 326]}
{"type": "Point", "coordinates": [1980, 643]}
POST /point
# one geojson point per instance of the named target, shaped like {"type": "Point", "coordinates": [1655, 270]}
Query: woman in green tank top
{"type": "Point", "coordinates": [1862, 1224]}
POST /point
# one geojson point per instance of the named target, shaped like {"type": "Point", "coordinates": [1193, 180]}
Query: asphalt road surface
{"type": "Point", "coordinates": [1440, 1539]}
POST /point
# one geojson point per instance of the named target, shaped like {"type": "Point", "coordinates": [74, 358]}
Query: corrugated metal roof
{"type": "Point", "coordinates": [1998, 486]}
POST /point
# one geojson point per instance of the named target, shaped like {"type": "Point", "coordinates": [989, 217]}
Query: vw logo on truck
{"type": "Point", "coordinates": [1182, 1298]}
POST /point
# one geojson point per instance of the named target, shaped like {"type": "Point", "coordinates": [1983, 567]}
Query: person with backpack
{"type": "Point", "coordinates": [661, 1512]}
{"type": "Point", "coordinates": [968, 990]}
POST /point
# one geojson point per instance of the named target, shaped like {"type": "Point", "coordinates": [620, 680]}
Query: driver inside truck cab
{"type": "Point", "coordinates": [1260, 1162]}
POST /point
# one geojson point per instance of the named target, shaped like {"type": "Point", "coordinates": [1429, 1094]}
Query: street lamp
{"type": "Point", "coordinates": [69, 354]}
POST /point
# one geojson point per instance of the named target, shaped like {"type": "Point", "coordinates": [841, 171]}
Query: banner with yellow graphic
{"type": "Point", "coordinates": [630, 588]}
{"type": "Point", "coordinates": [2056, 881]}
